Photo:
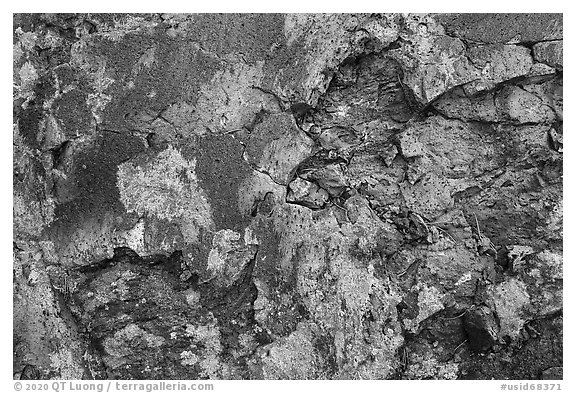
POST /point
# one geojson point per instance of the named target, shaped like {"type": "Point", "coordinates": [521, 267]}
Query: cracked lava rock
{"type": "Point", "coordinates": [267, 196]}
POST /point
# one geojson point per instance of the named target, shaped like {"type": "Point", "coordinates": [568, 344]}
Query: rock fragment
{"type": "Point", "coordinates": [481, 328]}
{"type": "Point", "coordinates": [503, 28]}
{"type": "Point", "coordinates": [522, 106]}
{"type": "Point", "coordinates": [276, 146]}
{"type": "Point", "coordinates": [498, 63]}
{"type": "Point", "coordinates": [511, 300]}
{"type": "Point", "coordinates": [307, 194]}
{"type": "Point", "coordinates": [550, 53]}
{"type": "Point", "coordinates": [330, 178]}
{"type": "Point", "coordinates": [229, 256]}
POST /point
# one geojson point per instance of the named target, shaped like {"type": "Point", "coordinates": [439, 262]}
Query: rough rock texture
{"type": "Point", "coordinates": [287, 196]}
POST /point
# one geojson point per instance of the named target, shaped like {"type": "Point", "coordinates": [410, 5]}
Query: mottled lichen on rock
{"type": "Point", "coordinates": [116, 346]}
{"type": "Point", "coordinates": [208, 338]}
{"type": "Point", "coordinates": [429, 368]}
{"type": "Point", "coordinates": [229, 256]}
{"type": "Point", "coordinates": [429, 303]}
{"type": "Point", "coordinates": [510, 300]}
{"type": "Point", "coordinates": [160, 185]}
{"type": "Point", "coordinates": [293, 357]}
{"type": "Point", "coordinates": [339, 293]}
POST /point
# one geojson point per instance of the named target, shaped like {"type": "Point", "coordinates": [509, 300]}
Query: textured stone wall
{"type": "Point", "coordinates": [287, 196]}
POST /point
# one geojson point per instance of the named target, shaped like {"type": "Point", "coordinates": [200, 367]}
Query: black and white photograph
{"type": "Point", "coordinates": [201, 197]}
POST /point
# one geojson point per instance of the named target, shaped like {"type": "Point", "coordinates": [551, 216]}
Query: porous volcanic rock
{"type": "Point", "coordinates": [305, 196]}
